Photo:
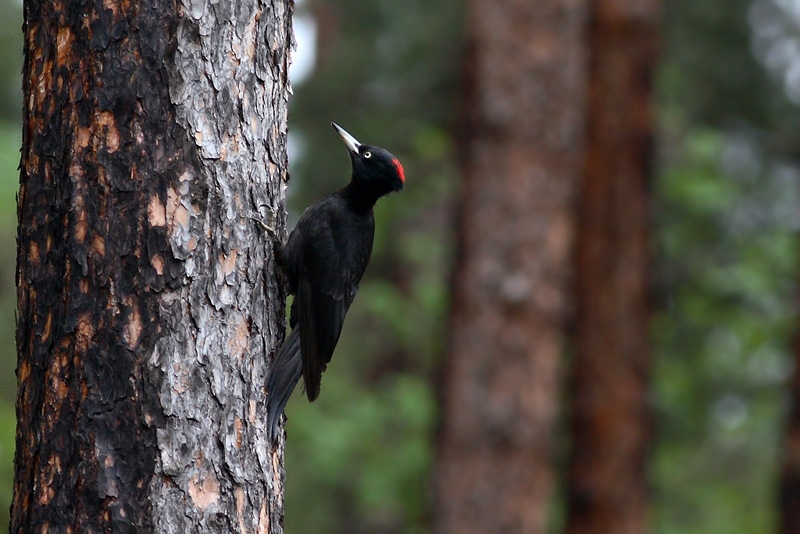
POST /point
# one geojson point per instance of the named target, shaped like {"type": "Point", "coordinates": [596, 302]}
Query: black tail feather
{"type": "Point", "coordinates": [283, 377]}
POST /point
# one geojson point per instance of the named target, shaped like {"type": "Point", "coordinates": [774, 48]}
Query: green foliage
{"type": "Point", "coordinates": [9, 176]}
{"type": "Point", "coordinates": [360, 457]}
{"type": "Point", "coordinates": [8, 426]}
{"type": "Point", "coordinates": [10, 61]}
{"type": "Point", "coordinates": [709, 75]}
{"type": "Point", "coordinates": [727, 272]}
{"type": "Point", "coordinates": [360, 454]}
{"type": "Point", "coordinates": [10, 106]}
{"type": "Point", "coordinates": [9, 182]}
{"type": "Point", "coordinates": [724, 259]}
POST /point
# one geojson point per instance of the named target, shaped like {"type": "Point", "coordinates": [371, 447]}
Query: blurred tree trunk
{"type": "Point", "coordinates": [789, 500]}
{"type": "Point", "coordinates": [610, 426]}
{"type": "Point", "coordinates": [521, 154]}
{"type": "Point", "coordinates": [147, 299]}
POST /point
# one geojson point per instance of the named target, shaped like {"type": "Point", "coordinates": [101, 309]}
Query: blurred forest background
{"type": "Point", "coordinates": [725, 211]}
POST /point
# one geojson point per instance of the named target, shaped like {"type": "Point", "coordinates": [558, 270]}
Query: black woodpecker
{"type": "Point", "coordinates": [324, 259]}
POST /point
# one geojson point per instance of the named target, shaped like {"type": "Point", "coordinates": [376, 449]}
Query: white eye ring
{"type": "Point", "coordinates": [367, 154]}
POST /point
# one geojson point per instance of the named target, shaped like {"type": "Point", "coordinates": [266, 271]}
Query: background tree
{"type": "Point", "coordinates": [147, 298]}
{"type": "Point", "coordinates": [521, 158]}
{"type": "Point", "coordinates": [789, 485]}
{"type": "Point", "coordinates": [610, 428]}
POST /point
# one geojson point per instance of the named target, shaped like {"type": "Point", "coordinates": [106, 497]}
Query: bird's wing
{"type": "Point", "coordinates": [325, 289]}
{"type": "Point", "coordinates": [320, 322]}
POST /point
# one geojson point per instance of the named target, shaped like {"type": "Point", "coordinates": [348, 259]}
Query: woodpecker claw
{"type": "Point", "coordinates": [269, 227]}
{"type": "Point", "coordinates": [268, 224]}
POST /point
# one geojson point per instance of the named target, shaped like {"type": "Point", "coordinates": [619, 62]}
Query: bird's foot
{"type": "Point", "coordinates": [267, 222]}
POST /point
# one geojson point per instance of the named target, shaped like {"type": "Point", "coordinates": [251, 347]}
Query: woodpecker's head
{"type": "Point", "coordinates": [372, 165]}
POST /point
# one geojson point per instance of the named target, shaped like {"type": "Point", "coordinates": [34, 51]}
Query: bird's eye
{"type": "Point", "coordinates": [367, 154]}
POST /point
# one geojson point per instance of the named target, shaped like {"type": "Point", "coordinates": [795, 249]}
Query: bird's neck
{"type": "Point", "coordinates": [360, 196]}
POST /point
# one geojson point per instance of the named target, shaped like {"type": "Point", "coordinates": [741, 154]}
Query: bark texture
{"type": "Point", "coordinates": [148, 303]}
{"type": "Point", "coordinates": [610, 425]}
{"type": "Point", "coordinates": [521, 155]}
{"type": "Point", "coordinates": [789, 497]}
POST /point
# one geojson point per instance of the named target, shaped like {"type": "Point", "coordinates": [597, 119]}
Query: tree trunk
{"type": "Point", "coordinates": [789, 498]}
{"type": "Point", "coordinates": [610, 425]}
{"type": "Point", "coordinates": [521, 155]}
{"type": "Point", "coordinates": [148, 303]}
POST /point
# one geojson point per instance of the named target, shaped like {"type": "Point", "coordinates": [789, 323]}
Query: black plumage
{"type": "Point", "coordinates": [324, 259]}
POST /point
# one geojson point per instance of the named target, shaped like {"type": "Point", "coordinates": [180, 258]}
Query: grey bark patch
{"type": "Point", "coordinates": [215, 448]}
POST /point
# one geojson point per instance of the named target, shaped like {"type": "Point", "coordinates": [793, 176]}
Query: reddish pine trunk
{"type": "Point", "coordinates": [610, 426]}
{"type": "Point", "coordinates": [521, 153]}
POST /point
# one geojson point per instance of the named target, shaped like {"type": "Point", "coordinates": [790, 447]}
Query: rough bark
{"type": "Point", "coordinates": [789, 496]}
{"type": "Point", "coordinates": [521, 154]}
{"type": "Point", "coordinates": [148, 303]}
{"type": "Point", "coordinates": [610, 426]}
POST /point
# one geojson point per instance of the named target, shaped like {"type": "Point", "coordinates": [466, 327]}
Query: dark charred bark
{"type": "Point", "coordinates": [610, 425]}
{"type": "Point", "coordinates": [147, 299]}
{"type": "Point", "coordinates": [521, 156]}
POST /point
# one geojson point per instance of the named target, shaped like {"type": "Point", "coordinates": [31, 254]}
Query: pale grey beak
{"type": "Point", "coordinates": [351, 142]}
